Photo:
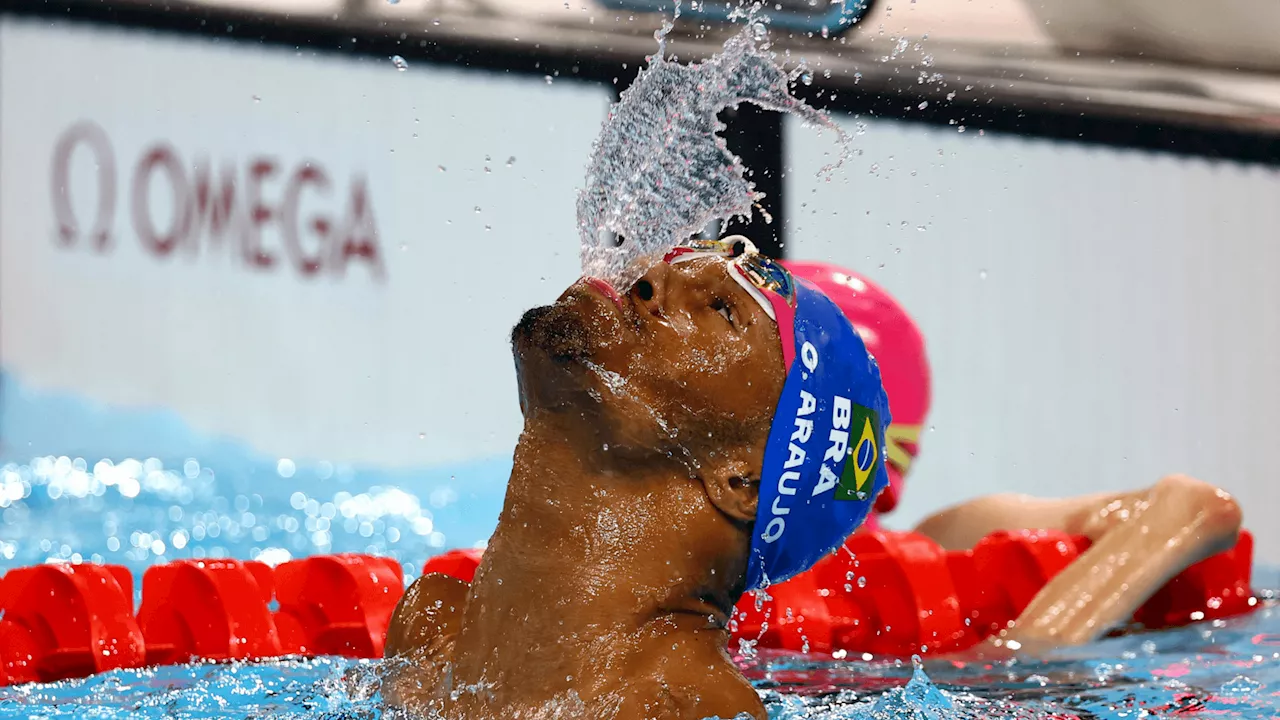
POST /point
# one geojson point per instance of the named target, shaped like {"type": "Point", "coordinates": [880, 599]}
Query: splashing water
{"type": "Point", "coordinates": [659, 171]}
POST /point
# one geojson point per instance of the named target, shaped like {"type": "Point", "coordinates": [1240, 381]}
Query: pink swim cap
{"type": "Point", "coordinates": [893, 339]}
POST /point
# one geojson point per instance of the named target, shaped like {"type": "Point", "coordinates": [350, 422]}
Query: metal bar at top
{"type": "Point", "coordinates": [1141, 91]}
{"type": "Point", "coordinates": [1154, 106]}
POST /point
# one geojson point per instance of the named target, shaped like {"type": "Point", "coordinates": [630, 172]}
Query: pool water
{"type": "Point", "coordinates": [1216, 670]}
{"type": "Point", "coordinates": [139, 513]}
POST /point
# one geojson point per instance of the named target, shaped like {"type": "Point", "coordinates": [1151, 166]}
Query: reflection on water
{"type": "Point", "coordinates": [137, 513]}
{"type": "Point", "coordinates": [1228, 669]}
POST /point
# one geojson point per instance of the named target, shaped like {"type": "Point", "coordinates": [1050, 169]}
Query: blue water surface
{"type": "Point", "coordinates": [140, 512]}
{"type": "Point", "coordinates": [1214, 670]}
{"type": "Point", "coordinates": [138, 486]}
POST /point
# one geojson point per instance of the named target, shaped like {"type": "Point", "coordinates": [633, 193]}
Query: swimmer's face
{"type": "Point", "coordinates": [685, 359]}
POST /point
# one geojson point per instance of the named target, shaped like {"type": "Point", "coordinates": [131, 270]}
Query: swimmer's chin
{"type": "Point", "coordinates": [553, 331]}
{"type": "Point", "coordinates": [576, 328]}
{"type": "Point", "coordinates": [561, 349]}
{"type": "Point", "coordinates": [552, 350]}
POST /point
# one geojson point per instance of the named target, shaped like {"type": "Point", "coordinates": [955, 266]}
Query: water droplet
{"type": "Point", "coordinates": [257, 99]}
{"type": "Point", "coordinates": [923, 105]}
{"type": "Point", "coordinates": [511, 161]}
{"type": "Point", "coordinates": [806, 78]}
{"type": "Point", "coordinates": [1241, 685]}
{"type": "Point", "coordinates": [441, 168]}
{"type": "Point", "coordinates": [759, 31]}
{"type": "Point", "coordinates": [393, 2]}
{"type": "Point", "coordinates": [982, 274]}
{"type": "Point", "coordinates": [400, 63]}
{"type": "Point", "coordinates": [862, 581]}
{"type": "Point", "coordinates": [477, 209]}
{"type": "Point", "coordinates": [487, 170]}
{"type": "Point", "coordinates": [487, 228]}
{"type": "Point", "coordinates": [549, 79]}
{"type": "Point", "coordinates": [960, 129]}
{"type": "Point", "coordinates": [422, 436]}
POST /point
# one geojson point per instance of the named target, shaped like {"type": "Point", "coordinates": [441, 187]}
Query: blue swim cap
{"type": "Point", "coordinates": [824, 462]}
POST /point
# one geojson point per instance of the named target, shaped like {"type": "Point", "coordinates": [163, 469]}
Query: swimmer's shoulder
{"type": "Point", "coordinates": [427, 616]}
{"type": "Point", "coordinates": [420, 643]}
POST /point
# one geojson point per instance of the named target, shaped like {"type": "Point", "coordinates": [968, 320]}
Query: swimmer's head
{"type": "Point", "coordinates": [824, 462]}
{"type": "Point", "coordinates": [719, 360]}
{"type": "Point", "coordinates": [682, 367]}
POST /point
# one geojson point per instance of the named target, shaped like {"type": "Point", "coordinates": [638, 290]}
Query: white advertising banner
{"type": "Point", "coordinates": [212, 248]}
{"type": "Point", "coordinates": [1095, 317]}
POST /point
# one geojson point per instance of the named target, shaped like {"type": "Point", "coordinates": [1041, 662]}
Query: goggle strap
{"type": "Point", "coordinates": [740, 276]}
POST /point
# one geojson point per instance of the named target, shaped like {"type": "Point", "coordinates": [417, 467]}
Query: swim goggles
{"type": "Point", "coordinates": [756, 273]}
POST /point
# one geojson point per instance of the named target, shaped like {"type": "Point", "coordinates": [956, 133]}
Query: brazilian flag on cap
{"type": "Point", "coordinates": [858, 479]}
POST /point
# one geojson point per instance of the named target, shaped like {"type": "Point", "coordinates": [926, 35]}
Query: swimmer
{"type": "Point", "coordinates": [1140, 539]}
{"type": "Point", "coordinates": [716, 427]}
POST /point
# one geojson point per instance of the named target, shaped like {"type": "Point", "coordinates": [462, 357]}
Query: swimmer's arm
{"type": "Point", "coordinates": [1140, 540]}
{"type": "Point", "coordinates": [960, 527]}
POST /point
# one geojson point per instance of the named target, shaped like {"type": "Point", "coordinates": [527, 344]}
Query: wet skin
{"type": "Point", "coordinates": [622, 545]}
